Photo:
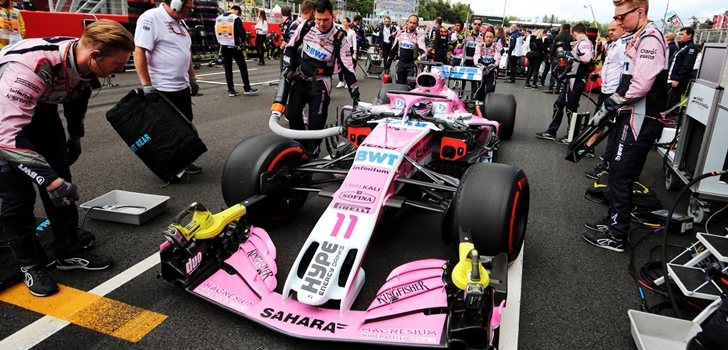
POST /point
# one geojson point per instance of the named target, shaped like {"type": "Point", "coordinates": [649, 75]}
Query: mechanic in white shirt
{"type": "Point", "coordinates": [163, 59]}
{"type": "Point", "coordinates": [613, 62]}
{"type": "Point", "coordinates": [351, 38]}
{"type": "Point", "coordinates": [261, 33]}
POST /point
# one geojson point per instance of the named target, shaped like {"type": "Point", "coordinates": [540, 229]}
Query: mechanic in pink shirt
{"type": "Point", "coordinates": [636, 105]}
{"type": "Point", "coordinates": [36, 75]}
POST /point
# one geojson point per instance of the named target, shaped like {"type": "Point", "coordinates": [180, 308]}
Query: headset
{"type": "Point", "coordinates": [176, 5]}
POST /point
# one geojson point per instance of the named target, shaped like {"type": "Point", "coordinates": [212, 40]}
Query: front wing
{"type": "Point", "coordinates": [414, 307]}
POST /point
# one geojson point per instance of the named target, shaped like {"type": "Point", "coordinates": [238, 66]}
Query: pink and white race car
{"type": "Point", "coordinates": [420, 149]}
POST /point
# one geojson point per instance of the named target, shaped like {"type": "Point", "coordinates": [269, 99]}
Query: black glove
{"type": "Point", "coordinates": [64, 195]}
{"type": "Point", "coordinates": [74, 150]}
{"type": "Point", "coordinates": [355, 95]}
{"type": "Point", "coordinates": [194, 87]}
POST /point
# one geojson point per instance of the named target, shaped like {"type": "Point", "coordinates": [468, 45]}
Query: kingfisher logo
{"type": "Point", "coordinates": [298, 320]}
{"type": "Point", "coordinates": [376, 157]}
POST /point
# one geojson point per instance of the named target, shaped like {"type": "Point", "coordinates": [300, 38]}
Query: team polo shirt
{"type": "Point", "coordinates": [168, 44]}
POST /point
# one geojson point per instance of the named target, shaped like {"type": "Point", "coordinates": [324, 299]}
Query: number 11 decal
{"type": "Point", "coordinates": [340, 220]}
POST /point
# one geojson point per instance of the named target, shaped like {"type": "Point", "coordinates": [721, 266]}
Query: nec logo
{"type": "Point", "coordinates": [376, 157]}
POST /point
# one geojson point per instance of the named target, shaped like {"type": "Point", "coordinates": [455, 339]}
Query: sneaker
{"type": "Point", "coordinates": [193, 169]}
{"type": "Point", "coordinates": [562, 141]}
{"type": "Point", "coordinates": [598, 171]}
{"type": "Point", "coordinates": [546, 136]}
{"type": "Point", "coordinates": [83, 260]}
{"type": "Point", "coordinates": [39, 282]}
{"type": "Point", "coordinates": [233, 93]}
{"type": "Point", "coordinates": [250, 91]}
{"type": "Point", "coordinates": [604, 239]}
{"type": "Point", "coordinates": [340, 85]}
{"type": "Point", "coordinates": [528, 86]}
{"type": "Point", "coordinates": [586, 153]}
{"type": "Point", "coordinates": [86, 238]}
{"type": "Point", "coordinates": [598, 225]}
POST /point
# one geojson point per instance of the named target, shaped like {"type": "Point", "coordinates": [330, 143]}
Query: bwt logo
{"type": "Point", "coordinates": [314, 53]}
{"type": "Point", "coordinates": [376, 157]}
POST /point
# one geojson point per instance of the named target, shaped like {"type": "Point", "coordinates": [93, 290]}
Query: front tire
{"type": "Point", "coordinates": [492, 202]}
{"type": "Point", "coordinates": [501, 108]}
{"type": "Point", "coordinates": [259, 157]}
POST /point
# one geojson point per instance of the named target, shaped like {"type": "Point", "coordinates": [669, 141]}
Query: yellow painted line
{"type": "Point", "coordinates": [88, 310]}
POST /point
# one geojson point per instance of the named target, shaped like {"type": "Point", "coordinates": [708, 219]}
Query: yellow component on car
{"type": "Point", "coordinates": [204, 224]}
{"type": "Point", "coordinates": [462, 272]}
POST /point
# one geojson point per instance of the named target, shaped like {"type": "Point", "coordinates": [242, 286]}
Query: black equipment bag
{"type": "Point", "coordinates": [157, 132]}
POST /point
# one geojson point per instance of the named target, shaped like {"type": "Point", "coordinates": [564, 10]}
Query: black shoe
{"type": "Point", "coordinates": [233, 93]}
{"type": "Point", "coordinates": [546, 136]}
{"type": "Point", "coordinates": [598, 171]}
{"type": "Point", "coordinates": [39, 282]}
{"type": "Point", "coordinates": [528, 86]}
{"type": "Point", "coordinates": [586, 153]}
{"type": "Point", "coordinates": [86, 239]}
{"type": "Point", "coordinates": [598, 225]}
{"type": "Point", "coordinates": [193, 169]}
{"type": "Point", "coordinates": [250, 91]}
{"type": "Point", "coordinates": [604, 239]}
{"type": "Point", "coordinates": [562, 141]}
{"type": "Point", "coordinates": [83, 260]}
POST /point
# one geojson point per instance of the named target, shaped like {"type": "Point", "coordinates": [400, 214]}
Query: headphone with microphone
{"type": "Point", "coordinates": [176, 5]}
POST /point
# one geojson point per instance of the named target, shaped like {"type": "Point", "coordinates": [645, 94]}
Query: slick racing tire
{"type": "Point", "coordinates": [501, 108]}
{"type": "Point", "coordinates": [492, 202]}
{"type": "Point", "coordinates": [382, 97]}
{"type": "Point", "coordinates": [255, 159]}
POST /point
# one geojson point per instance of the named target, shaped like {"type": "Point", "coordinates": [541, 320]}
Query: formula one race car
{"type": "Point", "coordinates": [419, 149]}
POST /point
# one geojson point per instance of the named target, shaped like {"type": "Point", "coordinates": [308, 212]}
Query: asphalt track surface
{"type": "Point", "coordinates": [573, 296]}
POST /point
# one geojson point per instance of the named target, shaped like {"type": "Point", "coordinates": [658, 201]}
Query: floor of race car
{"type": "Point", "coordinates": [572, 295]}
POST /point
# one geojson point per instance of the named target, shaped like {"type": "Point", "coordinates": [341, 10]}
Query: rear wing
{"type": "Point", "coordinates": [460, 72]}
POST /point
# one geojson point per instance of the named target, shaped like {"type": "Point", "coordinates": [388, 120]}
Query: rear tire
{"type": "Point", "coordinates": [382, 97]}
{"type": "Point", "coordinates": [501, 108]}
{"type": "Point", "coordinates": [492, 201]}
{"type": "Point", "coordinates": [252, 158]}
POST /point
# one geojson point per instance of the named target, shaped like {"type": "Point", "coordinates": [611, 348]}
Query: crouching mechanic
{"type": "Point", "coordinates": [638, 102]}
{"type": "Point", "coordinates": [314, 54]}
{"type": "Point", "coordinates": [409, 46]}
{"type": "Point", "coordinates": [35, 76]}
{"type": "Point", "coordinates": [490, 56]}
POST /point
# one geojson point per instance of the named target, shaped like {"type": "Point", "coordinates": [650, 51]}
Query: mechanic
{"type": "Point", "coordinates": [490, 56]}
{"type": "Point", "coordinates": [306, 15]}
{"type": "Point", "coordinates": [471, 48]}
{"type": "Point", "coordinates": [681, 66]}
{"type": "Point", "coordinates": [636, 105]}
{"type": "Point", "coordinates": [230, 34]}
{"type": "Point", "coordinates": [581, 56]}
{"type": "Point", "coordinates": [515, 51]}
{"type": "Point", "coordinates": [409, 46]}
{"type": "Point", "coordinates": [439, 41]}
{"type": "Point", "coordinates": [611, 74]}
{"type": "Point", "coordinates": [361, 33]}
{"type": "Point", "coordinates": [562, 42]}
{"type": "Point", "coordinates": [456, 42]}
{"type": "Point", "coordinates": [163, 56]}
{"type": "Point", "coordinates": [285, 29]}
{"type": "Point", "coordinates": [351, 38]}
{"type": "Point", "coordinates": [35, 76]}
{"type": "Point", "coordinates": [324, 51]}
{"type": "Point", "coordinates": [387, 32]}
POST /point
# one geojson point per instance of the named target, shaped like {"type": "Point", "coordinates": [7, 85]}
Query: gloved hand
{"type": "Point", "coordinates": [594, 77]}
{"type": "Point", "coordinates": [597, 118]}
{"type": "Point", "coordinates": [355, 95]}
{"type": "Point", "coordinates": [64, 195]}
{"type": "Point", "coordinates": [490, 67]}
{"type": "Point", "coordinates": [148, 89]}
{"type": "Point", "coordinates": [74, 149]}
{"type": "Point", "coordinates": [194, 87]}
